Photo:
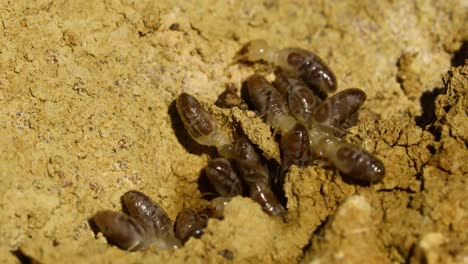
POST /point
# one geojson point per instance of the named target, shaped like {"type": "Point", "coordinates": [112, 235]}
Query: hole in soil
{"type": "Point", "coordinates": [23, 258]}
{"type": "Point", "coordinates": [460, 55]}
{"type": "Point", "coordinates": [244, 93]}
{"type": "Point", "coordinates": [428, 106]}
{"type": "Point", "coordinates": [93, 226]}
{"type": "Point", "coordinates": [277, 180]}
{"type": "Point", "coordinates": [204, 186]}
{"type": "Point", "coordinates": [431, 149]}
{"type": "Point", "coordinates": [317, 233]}
{"type": "Point", "coordinates": [436, 132]}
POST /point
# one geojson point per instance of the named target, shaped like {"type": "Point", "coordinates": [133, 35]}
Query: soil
{"type": "Point", "coordinates": [87, 91]}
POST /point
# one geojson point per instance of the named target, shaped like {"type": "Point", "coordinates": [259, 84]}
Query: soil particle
{"type": "Point", "coordinates": [338, 241]}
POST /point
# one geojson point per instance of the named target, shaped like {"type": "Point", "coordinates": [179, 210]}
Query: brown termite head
{"type": "Point", "coordinates": [189, 223]}
{"type": "Point", "coordinates": [341, 107]}
{"type": "Point", "coordinates": [153, 218]}
{"type": "Point", "coordinates": [268, 103]}
{"type": "Point", "coordinates": [223, 178]}
{"type": "Point", "coordinates": [254, 50]}
{"type": "Point", "coordinates": [358, 164]}
{"type": "Point", "coordinates": [198, 122]}
{"type": "Point", "coordinates": [262, 194]}
{"type": "Point", "coordinates": [295, 147]}
{"type": "Point", "coordinates": [310, 67]}
{"type": "Point", "coordinates": [121, 230]}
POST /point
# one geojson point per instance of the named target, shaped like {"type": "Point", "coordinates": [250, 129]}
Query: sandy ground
{"type": "Point", "coordinates": [86, 93]}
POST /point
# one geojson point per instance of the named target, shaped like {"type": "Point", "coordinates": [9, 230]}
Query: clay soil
{"type": "Point", "coordinates": [87, 113]}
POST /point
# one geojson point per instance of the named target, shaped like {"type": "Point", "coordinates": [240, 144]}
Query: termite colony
{"type": "Point", "coordinates": [296, 105]}
{"type": "Point", "coordinates": [145, 224]}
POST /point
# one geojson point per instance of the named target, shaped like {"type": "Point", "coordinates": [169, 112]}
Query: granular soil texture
{"type": "Point", "coordinates": [87, 91]}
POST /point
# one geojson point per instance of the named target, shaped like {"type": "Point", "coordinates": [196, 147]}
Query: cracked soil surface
{"type": "Point", "coordinates": [87, 113]}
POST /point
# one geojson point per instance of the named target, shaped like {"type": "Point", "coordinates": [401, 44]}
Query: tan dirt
{"type": "Point", "coordinates": [87, 91]}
